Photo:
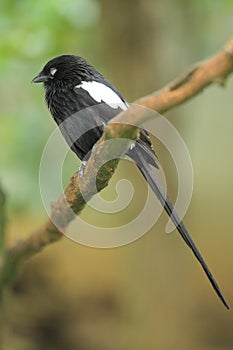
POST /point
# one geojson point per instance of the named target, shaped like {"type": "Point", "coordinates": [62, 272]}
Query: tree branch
{"type": "Point", "coordinates": [214, 70]}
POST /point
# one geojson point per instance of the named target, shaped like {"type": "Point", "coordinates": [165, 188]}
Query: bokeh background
{"type": "Point", "coordinates": [150, 294]}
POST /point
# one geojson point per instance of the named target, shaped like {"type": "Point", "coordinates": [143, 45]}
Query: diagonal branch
{"type": "Point", "coordinates": [213, 70]}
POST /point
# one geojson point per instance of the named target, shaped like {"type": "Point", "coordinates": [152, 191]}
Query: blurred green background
{"type": "Point", "coordinates": [150, 294]}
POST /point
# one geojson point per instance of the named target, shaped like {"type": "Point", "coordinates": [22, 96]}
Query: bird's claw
{"type": "Point", "coordinates": [81, 169]}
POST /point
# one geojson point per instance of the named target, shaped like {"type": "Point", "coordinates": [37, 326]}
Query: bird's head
{"type": "Point", "coordinates": [67, 70]}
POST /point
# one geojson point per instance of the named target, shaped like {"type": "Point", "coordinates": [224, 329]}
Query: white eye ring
{"type": "Point", "coordinates": [53, 71]}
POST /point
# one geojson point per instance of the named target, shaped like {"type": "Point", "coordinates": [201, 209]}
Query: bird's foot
{"type": "Point", "coordinates": [81, 169]}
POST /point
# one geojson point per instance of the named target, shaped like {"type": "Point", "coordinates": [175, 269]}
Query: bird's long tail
{"type": "Point", "coordinates": [151, 178]}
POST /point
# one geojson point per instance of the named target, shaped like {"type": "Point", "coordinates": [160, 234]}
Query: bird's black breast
{"type": "Point", "coordinates": [80, 118]}
{"type": "Point", "coordinates": [81, 115]}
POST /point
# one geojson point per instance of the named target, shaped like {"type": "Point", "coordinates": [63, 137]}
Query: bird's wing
{"type": "Point", "coordinates": [106, 102]}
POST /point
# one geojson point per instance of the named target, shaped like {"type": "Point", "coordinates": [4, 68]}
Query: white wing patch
{"type": "Point", "coordinates": [100, 92]}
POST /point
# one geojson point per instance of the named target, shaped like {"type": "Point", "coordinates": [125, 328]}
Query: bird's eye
{"type": "Point", "coordinates": [53, 71]}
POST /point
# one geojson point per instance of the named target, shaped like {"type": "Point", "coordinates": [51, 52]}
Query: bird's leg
{"type": "Point", "coordinates": [81, 168]}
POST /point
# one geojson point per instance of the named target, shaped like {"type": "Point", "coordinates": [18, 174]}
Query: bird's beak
{"type": "Point", "coordinates": [40, 78]}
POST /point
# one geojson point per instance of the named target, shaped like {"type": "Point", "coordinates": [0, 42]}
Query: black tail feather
{"type": "Point", "coordinates": [151, 178]}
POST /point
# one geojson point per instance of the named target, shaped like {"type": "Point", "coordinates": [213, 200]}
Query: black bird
{"type": "Point", "coordinates": [73, 87]}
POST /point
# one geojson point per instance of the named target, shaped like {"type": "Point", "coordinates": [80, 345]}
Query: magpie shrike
{"type": "Point", "coordinates": [75, 88]}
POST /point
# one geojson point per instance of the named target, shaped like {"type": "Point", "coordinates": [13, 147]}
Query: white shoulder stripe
{"type": "Point", "coordinates": [100, 92]}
